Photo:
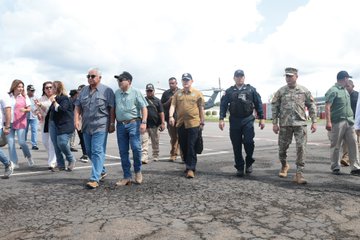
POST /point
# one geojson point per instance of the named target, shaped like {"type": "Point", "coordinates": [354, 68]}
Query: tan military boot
{"type": "Point", "coordinates": [299, 179]}
{"type": "Point", "coordinates": [283, 171]}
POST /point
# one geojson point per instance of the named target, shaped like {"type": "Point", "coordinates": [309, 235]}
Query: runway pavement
{"type": "Point", "coordinates": [38, 204]}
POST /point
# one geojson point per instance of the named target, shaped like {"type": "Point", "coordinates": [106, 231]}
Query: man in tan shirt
{"type": "Point", "coordinates": [189, 106]}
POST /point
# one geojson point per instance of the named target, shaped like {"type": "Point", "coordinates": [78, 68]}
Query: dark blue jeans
{"type": "Point", "coordinates": [187, 140]}
{"type": "Point", "coordinates": [243, 135]}
{"type": "Point", "coordinates": [129, 135]}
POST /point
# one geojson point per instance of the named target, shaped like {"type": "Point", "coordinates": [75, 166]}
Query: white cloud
{"type": "Point", "coordinates": [61, 39]}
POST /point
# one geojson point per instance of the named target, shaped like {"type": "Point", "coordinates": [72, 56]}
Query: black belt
{"type": "Point", "coordinates": [129, 121]}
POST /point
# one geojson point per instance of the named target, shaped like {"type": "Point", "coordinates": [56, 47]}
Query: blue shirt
{"type": "Point", "coordinates": [95, 108]}
{"type": "Point", "coordinates": [129, 104]}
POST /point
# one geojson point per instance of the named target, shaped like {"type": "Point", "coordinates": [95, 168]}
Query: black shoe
{"type": "Point", "coordinates": [249, 170]}
{"type": "Point", "coordinates": [73, 149]}
{"type": "Point", "coordinates": [35, 148]}
{"type": "Point", "coordinates": [336, 172]}
{"type": "Point", "coordinates": [355, 172]}
{"type": "Point", "coordinates": [240, 173]}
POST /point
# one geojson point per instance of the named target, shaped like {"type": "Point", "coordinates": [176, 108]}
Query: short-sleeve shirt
{"type": "Point", "coordinates": [164, 98]}
{"type": "Point", "coordinates": [154, 109]}
{"type": "Point", "coordinates": [18, 118]}
{"type": "Point", "coordinates": [339, 99]}
{"type": "Point", "coordinates": [4, 98]}
{"type": "Point", "coordinates": [187, 106]}
{"type": "Point", "coordinates": [95, 108]}
{"type": "Point", "coordinates": [129, 104]}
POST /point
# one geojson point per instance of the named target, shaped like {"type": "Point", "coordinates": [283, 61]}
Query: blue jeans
{"type": "Point", "coordinates": [21, 140]}
{"type": "Point", "coordinates": [129, 134]}
{"type": "Point", "coordinates": [33, 123]}
{"type": "Point", "coordinates": [61, 145]}
{"type": "Point", "coordinates": [95, 145]}
{"type": "Point", "coordinates": [3, 158]}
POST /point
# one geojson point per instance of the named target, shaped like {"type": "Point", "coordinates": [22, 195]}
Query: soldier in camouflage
{"type": "Point", "coordinates": [288, 111]}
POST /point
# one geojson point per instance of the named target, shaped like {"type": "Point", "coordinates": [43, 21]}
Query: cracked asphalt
{"type": "Point", "coordinates": [38, 204]}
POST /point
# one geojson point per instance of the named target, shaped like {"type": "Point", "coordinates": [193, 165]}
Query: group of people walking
{"type": "Point", "coordinates": [95, 110]}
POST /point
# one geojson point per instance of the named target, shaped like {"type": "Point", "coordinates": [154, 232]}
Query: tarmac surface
{"type": "Point", "coordinates": [216, 204]}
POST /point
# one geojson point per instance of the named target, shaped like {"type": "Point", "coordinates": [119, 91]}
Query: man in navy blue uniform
{"type": "Point", "coordinates": [241, 100]}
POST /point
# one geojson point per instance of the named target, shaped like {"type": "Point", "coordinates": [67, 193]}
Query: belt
{"type": "Point", "coordinates": [129, 121]}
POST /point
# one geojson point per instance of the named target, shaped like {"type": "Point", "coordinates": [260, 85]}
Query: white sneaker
{"type": "Point", "coordinates": [30, 161]}
{"type": "Point", "coordinates": [9, 170]}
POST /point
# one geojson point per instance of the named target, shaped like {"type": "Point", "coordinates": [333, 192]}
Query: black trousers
{"type": "Point", "coordinates": [243, 135]}
{"type": "Point", "coordinates": [187, 140]}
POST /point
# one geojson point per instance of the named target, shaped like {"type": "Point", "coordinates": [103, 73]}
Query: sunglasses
{"type": "Point", "coordinates": [122, 80]}
{"type": "Point", "coordinates": [49, 87]}
{"type": "Point", "coordinates": [149, 90]}
{"type": "Point", "coordinates": [91, 76]}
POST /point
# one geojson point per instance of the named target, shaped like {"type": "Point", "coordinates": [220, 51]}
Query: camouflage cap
{"type": "Point", "coordinates": [290, 71]}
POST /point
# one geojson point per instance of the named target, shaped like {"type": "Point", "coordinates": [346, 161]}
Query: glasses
{"type": "Point", "coordinates": [122, 80]}
{"type": "Point", "coordinates": [149, 90]}
{"type": "Point", "coordinates": [49, 87]}
{"type": "Point", "coordinates": [91, 76]}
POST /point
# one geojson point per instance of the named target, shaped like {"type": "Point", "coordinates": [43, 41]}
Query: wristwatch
{"type": "Point", "coordinates": [143, 122]}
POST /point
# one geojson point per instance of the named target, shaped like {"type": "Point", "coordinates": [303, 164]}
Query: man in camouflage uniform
{"type": "Point", "coordinates": [288, 109]}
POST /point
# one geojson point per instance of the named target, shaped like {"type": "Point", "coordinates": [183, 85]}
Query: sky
{"type": "Point", "coordinates": [42, 40]}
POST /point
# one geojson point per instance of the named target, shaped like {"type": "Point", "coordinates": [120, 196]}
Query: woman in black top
{"type": "Point", "coordinates": [61, 126]}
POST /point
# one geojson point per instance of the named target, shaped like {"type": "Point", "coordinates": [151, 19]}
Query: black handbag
{"type": "Point", "coordinates": [199, 144]}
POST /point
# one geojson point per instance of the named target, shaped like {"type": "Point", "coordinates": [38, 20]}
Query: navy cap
{"type": "Point", "coordinates": [239, 73]}
{"type": "Point", "coordinates": [186, 76]}
{"type": "Point", "coordinates": [342, 75]}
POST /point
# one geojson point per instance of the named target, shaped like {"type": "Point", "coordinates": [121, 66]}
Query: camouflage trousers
{"type": "Point", "coordinates": [285, 138]}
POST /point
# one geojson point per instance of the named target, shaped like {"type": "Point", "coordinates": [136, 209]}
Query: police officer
{"type": "Point", "coordinates": [241, 100]}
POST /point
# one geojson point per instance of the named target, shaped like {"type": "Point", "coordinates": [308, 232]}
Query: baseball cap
{"type": "Point", "coordinates": [290, 71]}
{"type": "Point", "coordinates": [125, 75]}
{"type": "Point", "coordinates": [239, 73]}
{"type": "Point", "coordinates": [186, 76]}
{"type": "Point", "coordinates": [30, 88]}
{"type": "Point", "coordinates": [149, 86]}
{"type": "Point", "coordinates": [342, 75]}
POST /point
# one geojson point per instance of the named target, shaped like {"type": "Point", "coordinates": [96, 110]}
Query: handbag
{"type": "Point", "coordinates": [199, 144]}
{"type": "Point", "coordinates": [3, 139]}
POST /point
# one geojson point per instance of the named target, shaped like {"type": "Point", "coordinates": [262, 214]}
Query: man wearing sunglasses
{"type": "Point", "coordinates": [188, 103]}
{"type": "Point", "coordinates": [96, 106]}
{"type": "Point", "coordinates": [131, 116]}
{"type": "Point", "coordinates": [155, 123]}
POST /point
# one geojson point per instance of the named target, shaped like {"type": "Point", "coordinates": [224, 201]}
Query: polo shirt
{"type": "Point", "coordinates": [129, 104]}
{"type": "Point", "coordinates": [339, 99]}
{"type": "Point", "coordinates": [187, 106]}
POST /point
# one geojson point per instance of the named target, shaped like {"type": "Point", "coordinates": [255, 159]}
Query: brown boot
{"type": "Point", "coordinates": [299, 179]}
{"type": "Point", "coordinates": [283, 171]}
